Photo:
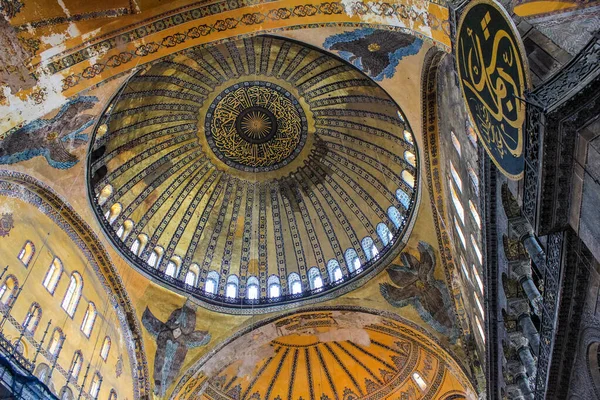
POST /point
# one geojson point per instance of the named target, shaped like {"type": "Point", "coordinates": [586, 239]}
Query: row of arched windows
{"type": "Point", "coordinates": [43, 372]}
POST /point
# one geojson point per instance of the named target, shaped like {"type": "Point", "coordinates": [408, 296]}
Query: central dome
{"type": "Point", "coordinates": [253, 173]}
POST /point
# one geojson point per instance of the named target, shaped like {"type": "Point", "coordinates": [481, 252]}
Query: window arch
{"type": "Point", "coordinates": [477, 251]}
{"type": "Point", "coordinates": [403, 198]}
{"type": "Point", "coordinates": [8, 290]}
{"type": "Point", "coordinates": [73, 294]}
{"type": "Point", "coordinates": [231, 289]}
{"type": "Point", "coordinates": [384, 233]}
{"type": "Point", "coordinates": [112, 395]}
{"type": "Point", "coordinates": [478, 279]}
{"type": "Point", "coordinates": [352, 260]}
{"type": "Point", "coordinates": [252, 288]}
{"type": "Point", "coordinates": [125, 229]}
{"type": "Point", "coordinates": [88, 321]}
{"type": "Point", "coordinates": [459, 231]}
{"type": "Point", "coordinates": [155, 257]}
{"type": "Point", "coordinates": [408, 178]}
{"type": "Point", "coordinates": [42, 371]}
{"type": "Point", "coordinates": [369, 247]}
{"type": "Point", "coordinates": [314, 278]}
{"type": "Point", "coordinates": [455, 142]}
{"type": "Point", "coordinates": [173, 266]}
{"type": "Point", "coordinates": [104, 194]}
{"type": "Point", "coordinates": [419, 381]}
{"type": "Point", "coordinates": [95, 385]}
{"type": "Point", "coordinates": [56, 342]}
{"type": "Point", "coordinates": [32, 318]}
{"type": "Point", "coordinates": [139, 244]}
{"type": "Point", "coordinates": [294, 283]}
{"type": "Point", "coordinates": [474, 180]}
{"type": "Point", "coordinates": [212, 282]}
{"type": "Point", "coordinates": [395, 216]}
{"type": "Point", "coordinates": [335, 271]}
{"type": "Point", "coordinates": [471, 133]}
{"type": "Point", "coordinates": [409, 156]}
{"type": "Point", "coordinates": [480, 328]}
{"type": "Point", "coordinates": [66, 393]}
{"type": "Point", "coordinates": [113, 213]}
{"type": "Point", "coordinates": [105, 348]}
{"type": "Point", "coordinates": [408, 137]}
{"type": "Point", "coordinates": [400, 116]}
{"type": "Point", "coordinates": [20, 347]}
{"type": "Point", "coordinates": [76, 364]}
{"type": "Point", "coordinates": [274, 286]}
{"type": "Point", "coordinates": [457, 203]}
{"type": "Point", "coordinates": [27, 253]}
{"type": "Point", "coordinates": [191, 277]}
{"type": "Point", "coordinates": [53, 275]}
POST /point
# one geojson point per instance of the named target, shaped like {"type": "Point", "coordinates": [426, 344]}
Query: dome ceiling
{"type": "Point", "coordinates": [253, 172]}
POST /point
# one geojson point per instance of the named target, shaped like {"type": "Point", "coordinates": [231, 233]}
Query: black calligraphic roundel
{"type": "Point", "coordinates": [493, 78]}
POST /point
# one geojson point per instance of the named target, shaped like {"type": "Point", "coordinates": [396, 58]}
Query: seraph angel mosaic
{"type": "Point", "coordinates": [50, 137]}
{"type": "Point", "coordinates": [173, 339]}
{"type": "Point", "coordinates": [413, 283]}
{"type": "Point", "coordinates": [376, 52]}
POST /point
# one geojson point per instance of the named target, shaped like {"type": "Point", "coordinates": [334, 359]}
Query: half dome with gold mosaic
{"type": "Point", "coordinates": [253, 173]}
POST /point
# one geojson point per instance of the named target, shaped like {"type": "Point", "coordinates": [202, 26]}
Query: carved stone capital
{"type": "Point", "coordinates": [517, 340]}
{"type": "Point", "coordinates": [515, 368]}
{"type": "Point", "coordinates": [520, 268]}
{"type": "Point", "coordinates": [513, 392]}
{"type": "Point", "coordinates": [518, 307]}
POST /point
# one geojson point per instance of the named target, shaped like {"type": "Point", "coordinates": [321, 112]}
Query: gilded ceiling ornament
{"type": "Point", "coordinates": [256, 126]}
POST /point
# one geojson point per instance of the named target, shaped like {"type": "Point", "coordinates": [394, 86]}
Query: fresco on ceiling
{"type": "Point", "coordinates": [413, 283]}
{"type": "Point", "coordinates": [51, 137]}
{"type": "Point", "coordinates": [173, 339]}
{"type": "Point", "coordinates": [6, 224]}
{"type": "Point", "coordinates": [376, 52]}
{"type": "Point", "coordinates": [10, 8]}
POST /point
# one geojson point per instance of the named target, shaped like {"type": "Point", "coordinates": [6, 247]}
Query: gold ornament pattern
{"type": "Point", "coordinates": [256, 126]}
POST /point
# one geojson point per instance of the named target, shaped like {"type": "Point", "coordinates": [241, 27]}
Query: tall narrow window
{"type": "Point", "coordinates": [480, 329]}
{"type": "Point", "coordinates": [474, 180]}
{"type": "Point", "coordinates": [409, 156]}
{"type": "Point", "coordinates": [171, 269]}
{"type": "Point", "coordinates": [384, 233]}
{"type": "Point", "coordinates": [105, 348]}
{"type": "Point", "coordinates": [465, 271]}
{"type": "Point", "coordinates": [125, 229]}
{"type": "Point", "coordinates": [212, 282]}
{"type": "Point", "coordinates": [73, 294]}
{"type": "Point", "coordinates": [26, 253]}
{"type": "Point", "coordinates": [104, 194]}
{"type": "Point", "coordinates": [32, 318]}
{"type": "Point", "coordinates": [419, 381]}
{"type": "Point", "coordinates": [76, 365]}
{"type": "Point", "coordinates": [95, 385]}
{"type": "Point", "coordinates": [56, 342]}
{"type": "Point", "coordinates": [476, 249]}
{"type": "Point", "coordinates": [457, 204]}
{"type": "Point", "coordinates": [155, 257]}
{"type": "Point", "coordinates": [369, 247]}
{"type": "Point", "coordinates": [191, 277]}
{"type": "Point", "coordinates": [460, 232]}
{"type": "Point", "coordinates": [295, 283]}
{"type": "Point", "coordinates": [403, 198]}
{"type": "Point", "coordinates": [8, 290]}
{"type": "Point", "coordinates": [479, 307]}
{"type": "Point", "coordinates": [334, 270]}
{"type": "Point", "coordinates": [314, 278]}
{"type": "Point", "coordinates": [112, 395]}
{"type": "Point", "coordinates": [471, 134]}
{"type": "Point", "coordinates": [475, 214]}
{"type": "Point", "coordinates": [252, 288]}
{"type": "Point", "coordinates": [274, 286]}
{"type": "Point", "coordinates": [455, 177]}
{"type": "Point", "coordinates": [53, 275]}
{"type": "Point", "coordinates": [114, 212]}
{"type": "Point", "coordinates": [408, 137]}
{"type": "Point", "coordinates": [408, 178]}
{"type": "Point", "coordinates": [478, 280]}
{"type": "Point", "coordinates": [66, 394]}
{"type": "Point", "coordinates": [231, 289]}
{"type": "Point", "coordinates": [139, 244]}
{"type": "Point", "coordinates": [352, 260]}
{"type": "Point", "coordinates": [89, 319]}
{"type": "Point", "coordinates": [455, 142]}
{"type": "Point", "coordinates": [395, 216]}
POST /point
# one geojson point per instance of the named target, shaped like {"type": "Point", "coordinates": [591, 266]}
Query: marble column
{"type": "Point", "coordinates": [519, 309]}
{"type": "Point", "coordinates": [520, 381]}
{"type": "Point", "coordinates": [520, 344]}
{"type": "Point", "coordinates": [521, 229]}
{"type": "Point", "coordinates": [521, 271]}
{"type": "Point", "coordinates": [514, 393]}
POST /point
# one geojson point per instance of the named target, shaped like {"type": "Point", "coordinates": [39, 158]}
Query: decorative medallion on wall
{"type": "Point", "coordinates": [493, 76]}
{"type": "Point", "coordinates": [254, 173]}
{"type": "Point", "coordinates": [6, 224]}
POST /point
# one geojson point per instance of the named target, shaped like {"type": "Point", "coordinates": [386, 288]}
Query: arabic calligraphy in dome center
{"type": "Point", "coordinates": [253, 173]}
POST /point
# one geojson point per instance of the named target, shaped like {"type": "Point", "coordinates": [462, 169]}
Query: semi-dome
{"type": "Point", "coordinates": [253, 172]}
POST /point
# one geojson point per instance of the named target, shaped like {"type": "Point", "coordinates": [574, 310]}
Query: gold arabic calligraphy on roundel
{"type": "Point", "coordinates": [493, 78]}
